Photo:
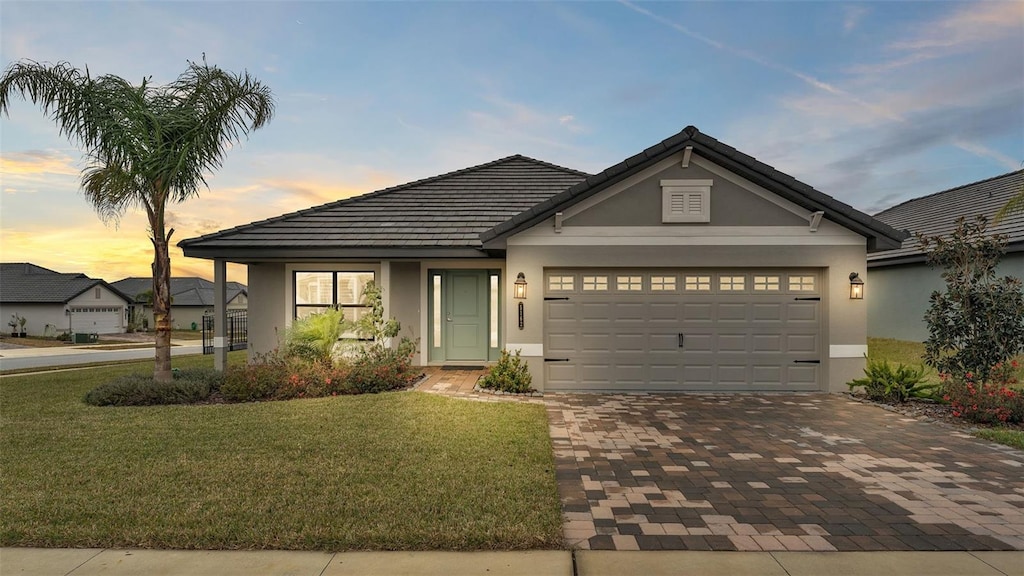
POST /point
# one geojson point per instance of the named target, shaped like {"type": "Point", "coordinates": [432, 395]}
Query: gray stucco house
{"type": "Point", "coordinates": [688, 266]}
{"type": "Point", "coordinates": [54, 302]}
{"type": "Point", "coordinates": [191, 298]}
{"type": "Point", "coordinates": [901, 280]}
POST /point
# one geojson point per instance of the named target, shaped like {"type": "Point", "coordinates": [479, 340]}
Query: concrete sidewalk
{"type": "Point", "coordinates": [82, 562]}
{"type": "Point", "coordinates": [20, 358]}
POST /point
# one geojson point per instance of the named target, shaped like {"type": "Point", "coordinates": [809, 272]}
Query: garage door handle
{"type": "Point", "coordinates": [806, 361]}
{"type": "Point", "coordinates": [548, 298]}
{"type": "Point", "coordinates": [556, 359]}
{"type": "Point", "coordinates": [681, 338]}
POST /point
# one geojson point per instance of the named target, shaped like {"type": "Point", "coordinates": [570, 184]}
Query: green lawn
{"type": "Point", "coordinates": [393, 471]}
{"type": "Point", "coordinates": [905, 352]}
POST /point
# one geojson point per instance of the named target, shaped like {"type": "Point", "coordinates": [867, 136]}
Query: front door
{"type": "Point", "coordinates": [465, 315]}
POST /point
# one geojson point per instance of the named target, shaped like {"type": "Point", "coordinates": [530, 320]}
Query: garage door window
{"type": "Point", "coordinates": [630, 283]}
{"type": "Point", "coordinates": [558, 283]}
{"type": "Point", "coordinates": [801, 283]}
{"type": "Point", "coordinates": [595, 283]}
{"type": "Point", "coordinates": [766, 283]}
{"type": "Point", "coordinates": [698, 283]}
{"type": "Point", "coordinates": [731, 283]}
{"type": "Point", "coordinates": [663, 283]}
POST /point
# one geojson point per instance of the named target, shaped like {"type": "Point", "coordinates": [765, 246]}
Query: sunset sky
{"type": "Point", "coordinates": [873, 103]}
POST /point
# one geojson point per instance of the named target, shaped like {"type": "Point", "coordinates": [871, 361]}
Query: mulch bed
{"type": "Point", "coordinates": [933, 412]}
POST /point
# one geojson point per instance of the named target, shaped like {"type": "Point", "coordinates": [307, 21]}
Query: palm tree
{"type": "Point", "coordinates": [1013, 205]}
{"type": "Point", "coordinates": [145, 145]}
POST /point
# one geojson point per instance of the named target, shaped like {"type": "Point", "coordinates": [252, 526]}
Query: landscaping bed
{"type": "Point", "coordinates": [390, 471]}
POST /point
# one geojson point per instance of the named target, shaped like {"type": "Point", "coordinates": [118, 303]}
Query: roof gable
{"type": "Point", "coordinates": [879, 235]}
{"type": "Point", "coordinates": [446, 211]}
{"type": "Point", "coordinates": [185, 291]}
{"type": "Point", "coordinates": [936, 215]}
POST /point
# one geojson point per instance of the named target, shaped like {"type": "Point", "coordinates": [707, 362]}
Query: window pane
{"type": "Point", "coordinates": [801, 283]}
{"type": "Point", "coordinates": [731, 283]}
{"type": "Point", "coordinates": [698, 283]}
{"type": "Point", "coordinates": [313, 287]}
{"type": "Point", "coordinates": [303, 311]}
{"type": "Point", "coordinates": [560, 283]}
{"type": "Point", "coordinates": [351, 286]}
{"type": "Point", "coordinates": [595, 283]}
{"type": "Point", "coordinates": [766, 283]}
{"type": "Point", "coordinates": [663, 283]}
{"type": "Point", "coordinates": [494, 311]}
{"type": "Point", "coordinates": [437, 311]}
{"type": "Point", "coordinates": [629, 283]}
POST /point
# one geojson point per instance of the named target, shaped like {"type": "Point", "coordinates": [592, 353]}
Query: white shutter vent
{"type": "Point", "coordinates": [686, 200]}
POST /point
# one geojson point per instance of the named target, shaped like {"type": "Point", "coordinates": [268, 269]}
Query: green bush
{"type": "Point", "coordinates": [978, 321]}
{"type": "Point", "coordinates": [378, 368]}
{"type": "Point", "coordinates": [257, 380]}
{"type": "Point", "coordinates": [316, 336]}
{"type": "Point", "coordinates": [188, 387]}
{"type": "Point", "coordinates": [510, 374]}
{"type": "Point", "coordinates": [885, 383]}
{"type": "Point", "coordinates": [994, 399]}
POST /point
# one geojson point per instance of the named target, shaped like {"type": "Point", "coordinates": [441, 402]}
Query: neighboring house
{"type": "Point", "coordinates": [191, 298]}
{"type": "Point", "coordinates": [901, 280]}
{"type": "Point", "coordinates": [53, 302]}
{"type": "Point", "coordinates": [689, 266]}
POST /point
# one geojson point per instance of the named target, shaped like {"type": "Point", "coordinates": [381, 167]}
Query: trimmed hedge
{"type": "Point", "coordinates": [188, 387]}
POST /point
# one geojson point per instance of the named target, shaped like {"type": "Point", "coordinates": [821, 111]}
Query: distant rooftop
{"type": "Point", "coordinates": [185, 291]}
{"type": "Point", "coordinates": [27, 283]}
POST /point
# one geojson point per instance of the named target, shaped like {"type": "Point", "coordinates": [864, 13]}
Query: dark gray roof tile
{"type": "Point", "coordinates": [23, 282]}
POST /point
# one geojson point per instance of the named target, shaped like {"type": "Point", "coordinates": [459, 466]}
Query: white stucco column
{"type": "Point", "coordinates": [220, 315]}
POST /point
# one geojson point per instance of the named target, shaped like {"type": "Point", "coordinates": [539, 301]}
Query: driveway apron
{"type": "Point", "coordinates": [776, 472]}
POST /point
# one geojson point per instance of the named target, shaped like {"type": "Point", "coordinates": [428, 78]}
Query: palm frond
{"type": "Point", "coordinates": [1014, 205]}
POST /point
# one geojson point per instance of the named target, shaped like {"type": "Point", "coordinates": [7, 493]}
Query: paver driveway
{"type": "Point", "coordinates": [777, 472]}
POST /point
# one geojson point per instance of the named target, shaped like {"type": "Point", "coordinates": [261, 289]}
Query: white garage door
{"type": "Point", "coordinates": [682, 329]}
{"type": "Point", "coordinates": [97, 319]}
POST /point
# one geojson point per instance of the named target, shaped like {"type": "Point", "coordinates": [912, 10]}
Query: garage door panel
{"type": "Point", "coordinates": [767, 343]}
{"type": "Point", "coordinates": [767, 312]}
{"type": "Point", "coordinates": [733, 312]}
{"type": "Point", "coordinates": [734, 339]}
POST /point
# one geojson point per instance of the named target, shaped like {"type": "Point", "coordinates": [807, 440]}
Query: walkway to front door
{"type": "Point", "coordinates": [776, 472]}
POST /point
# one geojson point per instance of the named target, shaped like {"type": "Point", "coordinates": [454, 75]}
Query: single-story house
{"type": "Point", "coordinates": [901, 279]}
{"type": "Point", "coordinates": [191, 298]}
{"type": "Point", "coordinates": [54, 302]}
{"type": "Point", "coordinates": [689, 266]}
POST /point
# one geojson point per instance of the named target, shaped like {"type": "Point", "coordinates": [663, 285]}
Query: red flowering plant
{"type": "Point", "coordinates": [996, 399]}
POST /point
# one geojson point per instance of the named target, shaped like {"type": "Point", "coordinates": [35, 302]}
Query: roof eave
{"type": "Point", "coordinates": [244, 254]}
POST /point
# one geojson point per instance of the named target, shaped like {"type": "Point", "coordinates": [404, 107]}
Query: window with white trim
{"type": "Point", "coordinates": [766, 283]}
{"type": "Point", "coordinates": [559, 283]}
{"type": "Point", "coordinates": [663, 283]}
{"type": "Point", "coordinates": [731, 283]}
{"type": "Point", "coordinates": [318, 291]}
{"type": "Point", "coordinates": [594, 283]}
{"type": "Point", "coordinates": [629, 283]}
{"type": "Point", "coordinates": [686, 200]}
{"type": "Point", "coordinates": [801, 283]}
{"type": "Point", "coordinates": [697, 284]}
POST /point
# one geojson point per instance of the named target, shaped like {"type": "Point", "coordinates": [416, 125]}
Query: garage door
{"type": "Point", "coordinates": [683, 329]}
{"type": "Point", "coordinates": [97, 319]}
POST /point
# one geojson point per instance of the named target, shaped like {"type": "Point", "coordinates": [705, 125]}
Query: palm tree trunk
{"type": "Point", "coordinates": [162, 305]}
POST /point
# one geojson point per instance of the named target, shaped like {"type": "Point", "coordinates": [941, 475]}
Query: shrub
{"type": "Point", "coordinates": [316, 336]}
{"type": "Point", "coordinates": [378, 368]}
{"type": "Point", "coordinates": [978, 322]}
{"type": "Point", "coordinates": [188, 386]}
{"type": "Point", "coordinates": [257, 380]}
{"type": "Point", "coordinates": [885, 383]}
{"type": "Point", "coordinates": [991, 400]}
{"type": "Point", "coordinates": [312, 380]}
{"type": "Point", "coordinates": [510, 374]}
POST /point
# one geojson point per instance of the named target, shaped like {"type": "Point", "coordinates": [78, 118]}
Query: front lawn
{"type": "Point", "coordinates": [395, 471]}
{"type": "Point", "coordinates": [912, 353]}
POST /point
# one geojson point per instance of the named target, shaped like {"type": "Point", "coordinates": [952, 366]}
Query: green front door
{"type": "Point", "coordinates": [465, 314]}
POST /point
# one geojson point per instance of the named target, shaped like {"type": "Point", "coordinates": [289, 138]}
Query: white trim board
{"type": "Point", "coordinates": [687, 236]}
{"type": "Point", "coordinates": [526, 349]}
{"type": "Point", "coordinates": [847, 350]}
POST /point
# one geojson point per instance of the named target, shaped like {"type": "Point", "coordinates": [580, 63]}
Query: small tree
{"type": "Point", "coordinates": [978, 321]}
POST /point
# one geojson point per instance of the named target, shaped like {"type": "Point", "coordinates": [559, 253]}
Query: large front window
{"type": "Point", "coordinates": [317, 291]}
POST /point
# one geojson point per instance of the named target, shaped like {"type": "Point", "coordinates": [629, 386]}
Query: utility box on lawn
{"type": "Point", "coordinates": [84, 338]}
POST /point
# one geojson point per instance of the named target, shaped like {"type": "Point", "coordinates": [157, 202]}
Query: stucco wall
{"type": "Point", "coordinates": [898, 296]}
{"type": "Point", "coordinates": [37, 316]}
{"type": "Point", "coordinates": [405, 287]}
{"type": "Point", "coordinates": [268, 312]}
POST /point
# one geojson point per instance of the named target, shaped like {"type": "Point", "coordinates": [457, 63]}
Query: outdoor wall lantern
{"type": "Point", "coordinates": [856, 287]}
{"type": "Point", "coordinates": [520, 290]}
{"type": "Point", "coordinates": [520, 294]}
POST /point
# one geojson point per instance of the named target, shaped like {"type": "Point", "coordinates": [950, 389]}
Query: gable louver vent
{"type": "Point", "coordinates": [686, 200]}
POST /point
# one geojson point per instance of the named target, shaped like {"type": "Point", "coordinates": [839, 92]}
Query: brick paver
{"type": "Point", "coordinates": [776, 472]}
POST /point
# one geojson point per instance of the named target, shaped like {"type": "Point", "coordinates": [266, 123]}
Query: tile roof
{"type": "Point", "coordinates": [185, 291]}
{"type": "Point", "coordinates": [936, 214]}
{"type": "Point", "coordinates": [449, 210]}
{"type": "Point", "coordinates": [879, 234]}
{"type": "Point", "coordinates": [26, 283]}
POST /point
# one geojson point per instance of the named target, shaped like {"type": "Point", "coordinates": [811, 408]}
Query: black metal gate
{"type": "Point", "coordinates": [237, 333]}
